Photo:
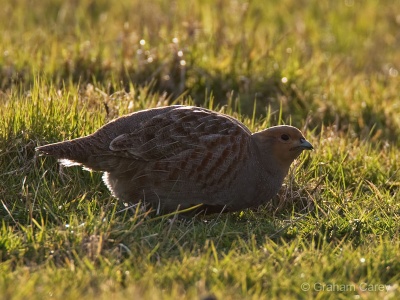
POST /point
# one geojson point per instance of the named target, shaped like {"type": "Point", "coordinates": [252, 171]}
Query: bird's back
{"type": "Point", "coordinates": [91, 151]}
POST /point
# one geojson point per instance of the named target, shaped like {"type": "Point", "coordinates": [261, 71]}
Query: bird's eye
{"type": "Point", "coordinates": [285, 137]}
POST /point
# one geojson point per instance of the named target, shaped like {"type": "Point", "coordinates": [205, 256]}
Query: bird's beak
{"type": "Point", "coordinates": [306, 145]}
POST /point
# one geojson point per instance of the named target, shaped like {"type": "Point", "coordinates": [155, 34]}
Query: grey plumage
{"type": "Point", "coordinates": [180, 156]}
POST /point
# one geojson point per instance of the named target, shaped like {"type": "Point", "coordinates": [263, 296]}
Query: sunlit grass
{"type": "Point", "coordinates": [67, 68]}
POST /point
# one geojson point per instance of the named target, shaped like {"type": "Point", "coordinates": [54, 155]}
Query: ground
{"type": "Point", "coordinates": [330, 68]}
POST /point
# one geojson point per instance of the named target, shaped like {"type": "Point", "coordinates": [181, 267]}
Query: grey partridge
{"type": "Point", "coordinates": [180, 156]}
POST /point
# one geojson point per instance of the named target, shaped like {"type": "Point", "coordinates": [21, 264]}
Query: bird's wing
{"type": "Point", "coordinates": [171, 133]}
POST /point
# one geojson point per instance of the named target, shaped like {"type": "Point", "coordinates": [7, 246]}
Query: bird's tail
{"type": "Point", "coordinates": [69, 153]}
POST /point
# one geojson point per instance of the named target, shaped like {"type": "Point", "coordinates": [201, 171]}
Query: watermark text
{"type": "Point", "coordinates": [336, 287]}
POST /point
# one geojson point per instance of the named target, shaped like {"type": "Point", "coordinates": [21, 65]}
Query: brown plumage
{"type": "Point", "coordinates": [181, 156]}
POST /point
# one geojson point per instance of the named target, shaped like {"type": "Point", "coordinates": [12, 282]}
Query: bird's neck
{"type": "Point", "coordinates": [274, 172]}
{"type": "Point", "coordinates": [272, 166]}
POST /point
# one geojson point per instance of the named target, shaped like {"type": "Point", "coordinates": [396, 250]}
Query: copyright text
{"type": "Point", "coordinates": [334, 287]}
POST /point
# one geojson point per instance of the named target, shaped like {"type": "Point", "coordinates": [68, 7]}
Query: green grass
{"type": "Point", "coordinates": [331, 68]}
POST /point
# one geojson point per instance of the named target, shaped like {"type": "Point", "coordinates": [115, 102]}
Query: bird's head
{"type": "Point", "coordinates": [282, 144]}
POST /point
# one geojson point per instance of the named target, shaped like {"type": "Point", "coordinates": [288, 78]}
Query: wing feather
{"type": "Point", "coordinates": [168, 134]}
